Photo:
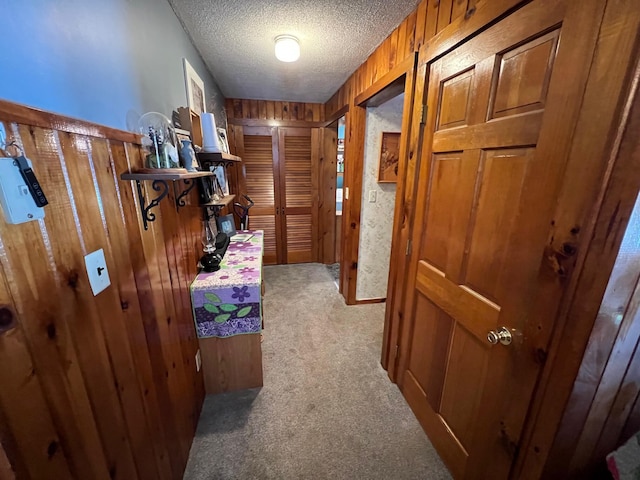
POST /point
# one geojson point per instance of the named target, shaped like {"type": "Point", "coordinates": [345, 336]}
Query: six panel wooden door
{"type": "Point", "coordinates": [281, 178]}
{"type": "Point", "coordinates": [483, 196]}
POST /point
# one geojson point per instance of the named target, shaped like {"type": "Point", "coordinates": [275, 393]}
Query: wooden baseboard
{"type": "Point", "coordinates": [369, 301]}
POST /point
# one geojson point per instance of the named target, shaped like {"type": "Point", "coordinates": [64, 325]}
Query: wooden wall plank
{"type": "Point", "coordinates": [286, 111]}
{"type": "Point", "coordinates": [431, 23]}
{"type": "Point", "coordinates": [246, 109]}
{"type": "Point", "coordinates": [277, 111]}
{"type": "Point", "coordinates": [393, 48]}
{"type": "Point", "coordinates": [262, 106]}
{"type": "Point", "coordinates": [34, 288]}
{"type": "Point", "coordinates": [116, 394]}
{"type": "Point", "coordinates": [79, 307]}
{"type": "Point", "coordinates": [36, 443]}
{"type": "Point", "coordinates": [421, 18]}
{"type": "Point", "coordinates": [402, 45]}
{"type": "Point", "coordinates": [409, 46]}
{"type": "Point", "coordinates": [459, 9]}
{"type": "Point", "coordinates": [270, 110]}
{"type": "Point", "coordinates": [153, 313]}
{"type": "Point", "coordinates": [237, 109]}
{"type": "Point", "coordinates": [123, 278]}
{"type": "Point", "coordinates": [253, 109]}
{"type": "Point", "coordinates": [444, 14]}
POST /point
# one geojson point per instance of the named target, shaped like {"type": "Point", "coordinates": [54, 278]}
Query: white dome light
{"type": "Point", "coordinates": [287, 48]}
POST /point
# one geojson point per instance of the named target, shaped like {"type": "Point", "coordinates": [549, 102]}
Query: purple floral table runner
{"type": "Point", "coordinates": [227, 302]}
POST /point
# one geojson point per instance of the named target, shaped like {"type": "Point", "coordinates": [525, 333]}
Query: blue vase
{"type": "Point", "coordinates": [188, 156]}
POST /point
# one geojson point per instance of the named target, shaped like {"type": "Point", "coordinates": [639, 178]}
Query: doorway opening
{"type": "Point", "coordinates": [334, 268]}
{"type": "Point", "coordinates": [383, 127]}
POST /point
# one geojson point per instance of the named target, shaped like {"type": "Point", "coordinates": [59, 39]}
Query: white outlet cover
{"type": "Point", "coordinates": [97, 271]}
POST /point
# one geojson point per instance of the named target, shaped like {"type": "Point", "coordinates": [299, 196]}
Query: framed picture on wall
{"type": "Point", "coordinates": [221, 176]}
{"type": "Point", "coordinates": [226, 224]}
{"type": "Point", "coordinates": [195, 89]}
{"type": "Point", "coordinates": [389, 157]}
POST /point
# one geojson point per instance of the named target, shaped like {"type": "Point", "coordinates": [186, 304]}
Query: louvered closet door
{"type": "Point", "coordinates": [298, 194]}
{"type": "Point", "coordinates": [261, 186]}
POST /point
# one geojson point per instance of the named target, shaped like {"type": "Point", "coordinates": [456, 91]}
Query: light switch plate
{"type": "Point", "coordinates": [97, 271]}
{"type": "Point", "coordinates": [373, 195]}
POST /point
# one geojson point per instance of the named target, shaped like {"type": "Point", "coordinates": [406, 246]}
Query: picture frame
{"type": "Point", "coordinates": [194, 85]}
{"type": "Point", "coordinates": [389, 157]}
{"type": "Point", "coordinates": [221, 176]}
{"type": "Point", "coordinates": [226, 224]}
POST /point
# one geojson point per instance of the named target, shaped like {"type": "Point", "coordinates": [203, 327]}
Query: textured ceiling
{"type": "Point", "coordinates": [236, 41]}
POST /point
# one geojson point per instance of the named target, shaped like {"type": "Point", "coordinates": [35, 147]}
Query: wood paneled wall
{"type": "Point", "coordinates": [429, 18]}
{"type": "Point", "coordinates": [245, 116]}
{"type": "Point", "coordinates": [604, 407]}
{"type": "Point", "coordinates": [95, 387]}
{"type": "Point", "coordinates": [393, 57]}
{"type": "Point", "coordinates": [275, 112]}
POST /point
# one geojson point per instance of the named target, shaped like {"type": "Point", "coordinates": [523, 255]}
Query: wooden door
{"type": "Point", "coordinates": [298, 194]}
{"type": "Point", "coordinates": [262, 176]}
{"type": "Point", "coordinates": [496, 137]}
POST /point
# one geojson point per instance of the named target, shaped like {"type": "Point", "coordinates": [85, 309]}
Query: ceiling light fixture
{"type": "Point", "coordinates": [287, 48]}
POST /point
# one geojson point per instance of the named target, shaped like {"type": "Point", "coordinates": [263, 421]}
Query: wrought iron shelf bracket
{"type": "Point", "coordinates": [180, 198]}
{"type": "Point", "coordinates": [160, 184]}
{"type": "Point", "coordinates": [148, 216]}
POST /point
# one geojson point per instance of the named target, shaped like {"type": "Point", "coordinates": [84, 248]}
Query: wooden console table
{"type": "Point", "coordinates": [227, 310]}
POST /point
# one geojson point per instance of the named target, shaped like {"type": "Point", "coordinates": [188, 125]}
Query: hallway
{"type": "Point", "coordinates": [327, 408]}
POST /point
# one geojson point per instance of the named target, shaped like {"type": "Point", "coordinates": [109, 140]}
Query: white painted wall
{"type": "Point", "coordinates": [376, 222]}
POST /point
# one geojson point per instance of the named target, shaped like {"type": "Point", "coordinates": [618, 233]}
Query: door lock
{"type": "Point", "coordinates": [503, 336]}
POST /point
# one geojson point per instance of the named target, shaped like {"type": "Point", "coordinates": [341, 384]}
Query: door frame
{"type": "Point", "coordinates": [460, 30]}
{"type": "Point", "coordinates": [590, 227]}
{"type": "Point", "coordinates": [387, 87]}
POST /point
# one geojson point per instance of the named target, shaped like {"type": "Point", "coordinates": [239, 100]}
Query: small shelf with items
{"type": "Point", "coordinates": [223, 202]}
{"type": "Point", "coordinates": [219, 158]}
{"type": "Point", "coordinates": [160, 184]}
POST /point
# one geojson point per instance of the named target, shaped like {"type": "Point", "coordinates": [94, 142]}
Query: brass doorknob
{"type": "Point", "coordinates": [503, 335]}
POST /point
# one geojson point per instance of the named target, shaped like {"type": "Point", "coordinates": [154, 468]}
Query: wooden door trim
{"type": "Point", "coordinates": [327, 175]}
{"type": "Point", "coordinates": [386, 81]}
{"type": "Point", "coordinates": [316, 219]}
{"type": "Point", "coordinates": [279, 195]}
{"type": "Point", "coordinates": [336, 115]}
{"type": "Point", "coordinates": [14, 112]}
{"type": "Point", "coordinates": [354, 163]}
{"type": "Point", "coordinates": [599, 221]}
{"type": "Point", "coordinates": [402, 217]}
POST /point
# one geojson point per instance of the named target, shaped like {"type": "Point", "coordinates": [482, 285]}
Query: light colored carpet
{"type": "Point", "coordinates": [327, 409]}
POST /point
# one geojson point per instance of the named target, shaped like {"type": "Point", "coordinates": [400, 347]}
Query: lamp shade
{"type": "Point", "coordinates": [287, 48]}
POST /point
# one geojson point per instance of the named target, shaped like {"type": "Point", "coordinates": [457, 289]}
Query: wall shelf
{"type": "Point", "coordinates": [218, 204]}
{"type": "Point", "coordinates": [160, 185]}
{"type": "Point", "coordinates": [223, 202]}
{"type": "Point", "coordinates": [139, 176]}
{"type": "Point", "coordinates": [218, 158]}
